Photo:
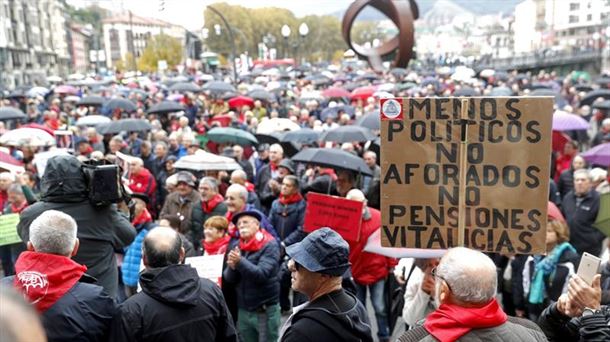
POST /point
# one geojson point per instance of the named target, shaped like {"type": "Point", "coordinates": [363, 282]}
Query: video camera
{"type": "Point", "coordinates": [104, 184]}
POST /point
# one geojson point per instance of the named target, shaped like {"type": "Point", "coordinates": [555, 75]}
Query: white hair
{"type": "Point", "coordinates": [53, 232]}
{"type": "Point", "coordinates": [584, 172]}
{"type": "Point", "coordinates": [470, 274]}
{"type": "Point", "coordinates": [240, 189]}
{"type": "Point", "coordinates": [356, 195]}
{"type": "Point", "coordinates": [241, 174]}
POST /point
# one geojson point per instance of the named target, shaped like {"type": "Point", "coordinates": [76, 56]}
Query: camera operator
{"type": "Point", "coordinates": [102, 229]}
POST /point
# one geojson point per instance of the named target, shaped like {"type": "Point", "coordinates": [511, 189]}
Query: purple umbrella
{"type": "Point", "coordinates": [599, 155]}
{"type": "Point", "coordinates": [564, 121]}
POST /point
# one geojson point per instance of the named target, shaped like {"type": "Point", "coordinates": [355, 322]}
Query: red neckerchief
{"type": "Point", "coordinates": [249, 186]}
{"type": "Point", "coordinates": [273, 166]}
{"type": "Point", "coordinates": [144, 217]}
{"type": "Point", "coordinates": [52, 124]}
{"type": "Point", "coordinates": [88, 151]}
{"type": "Point", "coordinates": [94, 140]}
{"type": "Point", "coordinates": [18, 209]}
{"type": "Point", "coordinates": [285, 200]}
{"type": "Point", "coordinates": [44, 278]}
{"type": "Point", "coordinates": [260, 239]}
{"type": "Point", "coordinates": [217, 247]}
{"type": "Point", "coordinates": [450, 322]}
{"type": "Point", "coordinates": [208, 206]}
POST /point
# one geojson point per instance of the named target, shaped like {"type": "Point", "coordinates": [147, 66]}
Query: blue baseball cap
{"type": "Point", "coordinates": [322, 251]}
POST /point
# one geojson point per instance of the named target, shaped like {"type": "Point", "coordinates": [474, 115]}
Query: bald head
{"type": "Point", "coordinates": [162, 247]}
{"type": "Point", "coordinates": [470, 274]}
{"type": "Point", "coordinates": [356, 195]}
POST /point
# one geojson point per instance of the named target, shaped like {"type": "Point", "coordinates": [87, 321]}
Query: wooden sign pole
{"type": "Point", "coordinates": [462, 174]}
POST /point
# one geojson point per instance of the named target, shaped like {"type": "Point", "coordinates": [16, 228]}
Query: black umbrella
{"type": "Point", "coordinates": [125, 125]}
{"type": "Point", "coordinates": [583, 87]}
{"type": "Point", "coordinates": [594, 95]}
{"type": "Point", "coordinates": [271, 138]}
{"type": "Point", "coordinates": [92, 100]}
{"type": "Point", "coordinates": [602, 105]}
{"type": "Point", "coordinates": [11, 113]}
{"type": "Point", "coordinates": [332, 158]}
{"type": "Point", "coordinates": [603, 81]}
{"type": "Point", "coordinates": [165, 107]}
{"type": "Point", "coordinates": [302, 136]}
{"type": "Point", "coordinates": [229, 95]}
{"type": "Point", "coordinates": [466, 92]}
{"type": "Point", "coordinates": [501, 76]}
{"type": "Point", "coordinates": [218, 87]}
{"type": "Point", "coordinates": [559, 100]}
{"type": "Point", "coordinates": [546, 85]}
{"type": "Point", "coordinates": [119, 103]}
{"type": "Point", "coordinates": [183, 87]}
{"type": "Point", "coordinates": [260, 94]}
{"type": "Point", "coordinates": [334, 111]}
{"type": "Point", "coordinates": [350, 133]}
{"type": "Point", "coordinates": [140, 92]}
{"type": "Point", "coordinates": [370, 121]}
{"type": "Point", "coordinates": [501, 91]}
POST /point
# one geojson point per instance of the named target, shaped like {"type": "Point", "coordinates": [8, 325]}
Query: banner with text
{"type": "Point", "coordinates": [506, 142]}
{"type": "Point", "coordinates": [340, 214]}
{"type": "Point", "coordinates": [8, 229]}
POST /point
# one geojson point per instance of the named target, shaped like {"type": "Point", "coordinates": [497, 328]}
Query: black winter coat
{"type": "Point", "coordinates": [337, 316]}
{"type": "Point", "coordinates": [174, 305]}
{"type": "Point", "coordinates": [288, 221]}
{"type": "Point", "coordinates": [558, 327]}
{"type": "Point", "coordinates": [583, 236]}
{"type": "Point", "coordinates": [101, 230]}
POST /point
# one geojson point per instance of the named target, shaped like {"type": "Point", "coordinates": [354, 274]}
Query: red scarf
{"type": "Point", "coordinates": [217, 247]}
{"type": "Point", "coordinates": [260, 239]}
{"type": "Point", "coordinates": [208, 206]}
{"type": "Point", "coordinates": [450, 322]}
{"type": "Point", "coordinates": [144, 217]}
{"type": "Point", "coordinates": [18, 209]}
{"type": "Point", "coordinates": [249, 186]}
{"type": "Point", "coordinates": [273, 166]}
{"type": "Point", "coordinates": [329, 172]}
{"type": "Point", "coordinates": [45, 278]}
{"type": "Point", "coordinates": [285, 200]}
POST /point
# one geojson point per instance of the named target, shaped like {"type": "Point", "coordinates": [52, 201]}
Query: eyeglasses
{"type": "Point", "coordinates": [435, 274]}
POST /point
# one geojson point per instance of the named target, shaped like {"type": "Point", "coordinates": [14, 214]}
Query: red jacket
{"type": "Point", "coordinates": [143, 182]}
{"type": "Point", "coordinates": [369, 268]}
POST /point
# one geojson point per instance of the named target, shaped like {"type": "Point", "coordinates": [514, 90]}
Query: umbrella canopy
{"type": "Point", "coordinates": [603, 215]}
{"type": "Point", "coordinates": [594, 95]}
{"type": "Point", "coordinates": [501, 91]}
{"type": "Point", "coordinates": [92, 120]}
{"type": "Point", "coordinates": [333, 112]}
{"type": "Point", "coordinates": [344, 134]}
{"type": "Point", "coordinates": [218, 87]}
{"type": "Point", "coordinates": [119, 103]}
{"type": "Point", "coordinates": [183, 87]}
{"type": "Point", "coordinates": [277, 125]}
{"type": "Point", "coordinates": [37, 91]}
{"type": "Point", "coordinates": [564, 121]}
{"type": "Point", "coordinates": [268, 138]}
{"type": "Point", "coordinates": [11, 113]}
{"type": "Point", "coordinates": [466, 92]}
{"type": "Point", "coordinates": [599, 155]}
{"type": "Point", "coordinates": [302, 136]}
{"type": "Point", "coordinates": [262, 95]}
{"type": "Point", "coordinates": [363, 93]}
{"type": "Point", "coordinates": [9, 163]}
{"type": "Point", "coordinates": [92, 100]}
{"type": "Point", "coordinates": [224, 135]}
{"type": "Point", "coordinates": [335, 92]}
{"type": "Point", "coordinates": [603, 81]}
{"type": "Point", "coordinates": [602, 105]}
{"type": "Point", "coordinates": [65, 89]}
{"type": "Point", "coordinates": [583, 87]}
{"type": "Point", "coordinates": [332, 158]}
{"type": "Point", "coordinates": [39, 126]}
{"type": "Point", "coordinates": [559, 100]}
{"type": "Point", "coordinates": [370, 121]}
{"type": "Point", "coordinates": [205, 161]}
{"type": "Point", "coordinates": [27, 137]}
{"type": "Point", "coordinates": [165, 107]}
{"type": "Point", "coordinates": [72, 98]}
{"type": "Point", "coordinates": [399, 72]}
{"type": "Point", "coordinates": [241, 101]}
{"type": "Point", "coordinates": [125, 125]}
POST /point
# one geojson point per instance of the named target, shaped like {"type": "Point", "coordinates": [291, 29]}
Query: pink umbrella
{"type": "Point", "coordinates": [66, 89]}
{"type": "Point", "coordinates": [335, 92]}
{"type": "Point", "coordinates": [564, 121]}
{"type": "Point", "coordinates": [363, 93]}
{"type": "Point", "coordinates": [599, 155]}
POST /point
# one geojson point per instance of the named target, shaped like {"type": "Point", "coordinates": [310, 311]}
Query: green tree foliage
{"type": "Point", "coordinates": [160, 47]}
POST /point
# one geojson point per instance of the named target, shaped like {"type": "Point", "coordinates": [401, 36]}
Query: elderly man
{"type": "Point", "coordinates": [332, 314]}
{"type": "Point", "coordinates": [72, 308]}
{"type": "Point", "coordinates": [580, 207]}
{"type": "Point", "coordinates": [370, 158]}
{"type": "Point", "coordinates": [368, 269]}
{"type": "Point", "coordinates": [181, 201]}
{"type": "Point", "coordinates": [240, 177]}
{"type": "Point", "coordinates": [236, 199]}
{"type": "Point", "coordinates": [211, 204]}
{"type": "Point", "coordinates": [147, 155]}
{"type": "Point", "coordinates": [175, 303]}
{"type": "Point", "coordinates": [269, 171]}
{"type": "Point", "coordinates": [142, 181]}
{"type": "Point", "coordinates": [272, 189]}
{"type": "Point", "coordinates": [466, 284]}
{"type": "Point", "coordinates": [253, 264]}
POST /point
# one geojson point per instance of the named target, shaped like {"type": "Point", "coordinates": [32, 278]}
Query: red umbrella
{"type": "Point", "coordinates": [363, 93]}
{"type": "Point", "coordinates": [241, 101]}
{"type": "Point", "coordinates": [7, 158]}
{"type": "Point", "coordinates": [559, 141]}
{"type": "Point", "coordinates": [42, 127]}
{"type": "Point", "coordinates": [335, 92]}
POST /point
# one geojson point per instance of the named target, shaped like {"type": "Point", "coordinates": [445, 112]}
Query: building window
{"type": "Point", "coordinates": [573, 19]}
{"type": "Point", "coordinates": [589, 17]}
{"type": "Point", "coordinates": [574, 6]}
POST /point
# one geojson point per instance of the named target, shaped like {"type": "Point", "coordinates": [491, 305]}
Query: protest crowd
{"type": "Point", "coordinates": [211, 240]}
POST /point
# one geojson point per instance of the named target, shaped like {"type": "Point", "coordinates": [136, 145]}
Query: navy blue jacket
{"type": "Point", "coordinates": [288, 221]}
{"type": "Point", "coordinates": [583, 236]}
{"type": "Point", "coordinates": [255, 277]}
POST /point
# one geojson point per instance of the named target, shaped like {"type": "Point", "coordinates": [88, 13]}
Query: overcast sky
{"type": "Point", "coordinates": [189, 13]}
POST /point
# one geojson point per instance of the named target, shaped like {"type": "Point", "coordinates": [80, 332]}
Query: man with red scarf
{"type": "Point", "coordinates": [253, 265]}
{"type": "Point", "coordinates": [142, 181]}
{"type": "Point", "coordinates": [466, 285]}
{"type": "Point", "coordinates": [236, 199]}
{"type": "Point", "coordinates": [211, 204]}
{"type": "Point", "coordinates": [72, 308]}
{"type": "Point", "coordinates": [269, 171]}
{"type": "Point", "coordinates": [287, 215]}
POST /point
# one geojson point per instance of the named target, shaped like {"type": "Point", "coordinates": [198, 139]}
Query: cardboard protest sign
{"type": "Point", "coordinates": [340, 214]}
{"type": "Point", "coordinates": [477, 164]}
{"type": "Point", "coordinates": [208, 266]}
{"type": "Point", "coordinates": [8, 229]}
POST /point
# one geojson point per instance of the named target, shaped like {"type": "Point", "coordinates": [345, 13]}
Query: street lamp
{"type": "Point", "coordinates": [285, 31]}
{"type": "Point", "coordinates": [303, 31]}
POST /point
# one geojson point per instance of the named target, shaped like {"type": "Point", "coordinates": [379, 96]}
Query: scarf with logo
{"type": "Point", "coordinates": [260, 239]}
